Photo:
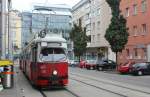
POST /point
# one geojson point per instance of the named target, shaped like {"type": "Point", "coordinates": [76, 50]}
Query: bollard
{"type": "Point", "coordinates": [7, 73]}
{"type": "Point", "coordinates": [8, 77]}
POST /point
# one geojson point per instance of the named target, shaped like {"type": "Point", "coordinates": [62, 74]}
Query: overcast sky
{"type": "Point", "coordinates": [23, 5]}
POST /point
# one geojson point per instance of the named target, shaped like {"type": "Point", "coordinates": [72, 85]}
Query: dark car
{"type": "Point", "coordinates": [141, 68]}
{"type": "Point", "coordinates": [105, 64]}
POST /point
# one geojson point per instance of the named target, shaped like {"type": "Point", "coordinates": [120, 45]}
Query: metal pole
{"type": "Point", "coordinates": [3, 30]}
{"type": "Point", "coordinates": [9, 56]}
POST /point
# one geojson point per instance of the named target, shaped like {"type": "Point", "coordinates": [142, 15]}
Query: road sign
{"type": "Point", "coordinates": [5, 62]}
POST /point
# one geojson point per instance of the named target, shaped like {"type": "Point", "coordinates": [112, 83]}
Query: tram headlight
{"type": "Point", "coordinates": [55, 72]}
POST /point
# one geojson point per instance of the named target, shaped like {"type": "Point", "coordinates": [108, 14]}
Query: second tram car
{"type": "Point", "coordinates": [44, 61]}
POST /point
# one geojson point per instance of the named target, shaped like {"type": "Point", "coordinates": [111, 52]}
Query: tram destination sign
{"type": "Point", "coordinates": [54, 44]}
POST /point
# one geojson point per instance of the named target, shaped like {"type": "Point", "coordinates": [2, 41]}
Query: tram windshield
{"type": "Point", "coordinates": [52, 54]}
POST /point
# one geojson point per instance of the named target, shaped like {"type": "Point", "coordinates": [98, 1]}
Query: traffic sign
{"type": "Point", "coordinates": [5, 62]}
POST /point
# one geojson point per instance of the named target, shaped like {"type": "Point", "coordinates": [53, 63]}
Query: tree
{"type": "Point", "coordinates": [117, 32]}
{"type": "Point", "coordinates": [79, 38]}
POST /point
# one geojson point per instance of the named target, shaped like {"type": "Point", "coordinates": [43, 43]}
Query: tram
{"type": "Point", "coordinates": [44, 61]}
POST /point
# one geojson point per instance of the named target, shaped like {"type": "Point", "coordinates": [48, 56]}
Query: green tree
{"type": "Point", "coordinates": [117, 32]}
{"type": "Point", "coordinates": [79, 38]}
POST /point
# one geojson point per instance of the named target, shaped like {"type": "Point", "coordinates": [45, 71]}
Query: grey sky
{"type": "Point", "coordinates": [27, 4]}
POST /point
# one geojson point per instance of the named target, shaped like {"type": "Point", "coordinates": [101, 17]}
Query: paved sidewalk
{"type": "Point", "coordinates": [22, 88]}
{"type": "Point", "coordinates": [12, 92]}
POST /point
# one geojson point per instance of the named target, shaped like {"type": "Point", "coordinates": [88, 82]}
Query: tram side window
{"type": "Point", "coordinates": [34, 54]}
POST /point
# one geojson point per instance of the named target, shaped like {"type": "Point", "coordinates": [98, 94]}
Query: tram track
{"type": "Point", "coordinates": [71, 92]}
{"type": "Point", "coordinates": [121, 95]}
{"type": "Point", "coordinates": [108, 83]}
{"type": "Point", "coordinates": [65, 89]}
{"type": "Point", "coordinates": [43, 94]}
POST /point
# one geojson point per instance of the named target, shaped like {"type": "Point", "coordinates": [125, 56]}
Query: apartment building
{"type": "Point", "coordinates": [95, 15]}
{"type": "Point", "coordinates": [15, 29]}
{"type": "Point", "coordinates": [137, 13]}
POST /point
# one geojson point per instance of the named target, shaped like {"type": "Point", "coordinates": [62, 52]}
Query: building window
{"type": "Point", "coordinates": [88, 27]}
{"type": "Point", "coordinates": [98, 11]}
{"type": "Point", "coordinates": [127, 12]}
{"type": "Point", "coordinates": [93, 26]}
{"type": "Point", "coordinates": [144, 29]}
{"type": "Point", "coordinates": [135, 30]}
{"type": "Point", "coordinates": [93, 38]}
{"type": "Point", "coordinates": [87, 16]}
{"type": "Point", "coordinates": [144, 5]}
{"type": "Point", "coordinates": [128, 53]}
{"type": "Point", "coordinates": [144, 53]}
{"type": "Point", "coordinates": [98, 37]}
{"type": "Point", "coordinates": [135, 9]}
{"type": "Point", "coordinates": [135, 52]}
{"type": "Point", "coordinates": [98, 25]}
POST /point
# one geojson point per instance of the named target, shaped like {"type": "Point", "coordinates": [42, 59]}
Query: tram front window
{"type": "Point", "coordinates": [52, 54]}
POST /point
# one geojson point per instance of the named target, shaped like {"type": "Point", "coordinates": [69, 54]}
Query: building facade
{"type": "Point", "coordinates": [15, 29]}
{"type": "Point", "coordinates": [137, 13]}
{"type": "Point", "coordinates": [55, 18]}
{"type": "Point", "coordinates": [95, 15]}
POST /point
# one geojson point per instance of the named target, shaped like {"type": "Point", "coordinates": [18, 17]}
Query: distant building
{"type": "Point", "coordinates": [15, 29]}
{"type": "Point", "coordinates": [55, 18]}
{"type": "Point", "coordinates": [95, 15]}
{"type": "Point", "coordinates": [137, 13]}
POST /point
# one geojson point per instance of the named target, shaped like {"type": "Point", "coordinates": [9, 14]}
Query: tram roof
{"type": "Point", "coordinates": [50, 38]}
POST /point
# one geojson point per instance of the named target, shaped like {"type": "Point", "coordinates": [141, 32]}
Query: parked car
{"type": "Point", "coordinates": [141, 68]}
{"type": "Point", "coordinates": [73, 63]}
{"type": "Point", "coordinates": [125, 67]}
{"type": "Point", "coordinates": [105, 64]}
{"type": "Point", "coordinates": [90, 64]}
{"type": "Point", "coordinates": [82, 63]}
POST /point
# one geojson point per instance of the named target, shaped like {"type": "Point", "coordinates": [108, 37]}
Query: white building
{"type": "Point", "coordinates": [95, 15]}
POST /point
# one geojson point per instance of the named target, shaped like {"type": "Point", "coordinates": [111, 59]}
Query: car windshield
{"type": "Point", "coordinates": [52, 54]}
{"type": "Point", "coordinates": [140, 64]}
{"type": "Point", "coordinates": [91, 61]}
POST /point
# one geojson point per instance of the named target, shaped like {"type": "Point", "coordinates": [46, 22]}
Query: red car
{"type": "Point", "coordinates": [90, 64]}
{"type": "Point", "coordinates": [82, 64]}
{"type": "Point", "coordinates": [125, 68]}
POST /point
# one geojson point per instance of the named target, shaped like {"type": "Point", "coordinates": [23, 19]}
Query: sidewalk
{"type": "Point", "coordinates": [12, 92]}
{"type": "Point", "coordinates": [22, 88]}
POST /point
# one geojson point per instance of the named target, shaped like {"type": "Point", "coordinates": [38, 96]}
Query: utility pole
{"type": "Point", "coordinates": [9, 34]}
{"type": "Point", "coordinates": [3, 30]}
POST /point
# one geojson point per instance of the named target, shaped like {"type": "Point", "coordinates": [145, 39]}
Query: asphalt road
{"type": "Point", "coordinates": [113, 76]}
{"type": "Point", "coordinates": [85, 83]}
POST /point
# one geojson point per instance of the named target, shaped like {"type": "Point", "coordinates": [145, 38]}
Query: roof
{"type": "Point", "coordinates": [52, 9]}
{"type": "Point", "coordinates": [79, 4]}
{"type": "Point", "coordinates": [50, 38]}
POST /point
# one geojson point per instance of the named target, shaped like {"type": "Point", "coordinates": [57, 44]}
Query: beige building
{"type": "Point", "coordinates": [15, 31]}
{"type": "Point", "coordinates": [95, 15]}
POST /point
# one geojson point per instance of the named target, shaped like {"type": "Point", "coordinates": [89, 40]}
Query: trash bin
{"type": "Point", "coordinates": [7, 79]}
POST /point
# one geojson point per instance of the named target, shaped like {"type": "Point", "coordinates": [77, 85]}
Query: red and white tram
{"type": "Point", "coordinates": [44, 61]}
